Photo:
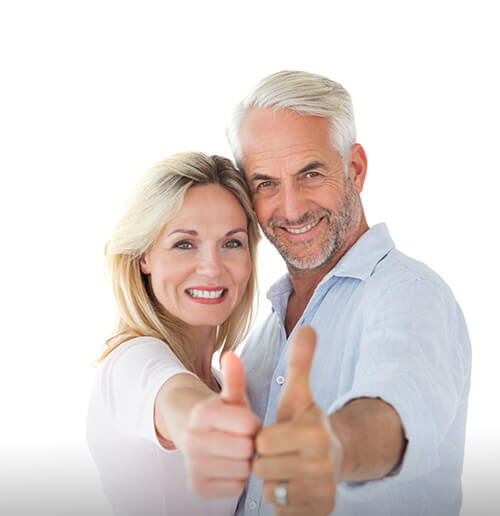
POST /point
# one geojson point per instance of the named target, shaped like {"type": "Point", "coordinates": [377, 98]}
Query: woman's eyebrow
{"type": "Point", "coordinates": [186, 231]}
{"type": "Point", "coordinates": [237, 230]}
{"type": "Point", "coordinates": [195, 233]}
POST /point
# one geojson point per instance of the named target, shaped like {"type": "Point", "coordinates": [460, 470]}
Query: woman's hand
{"type": "Point", "coordinates": [219, 442]}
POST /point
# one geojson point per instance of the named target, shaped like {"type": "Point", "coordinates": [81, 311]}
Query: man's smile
{"type": "Point", "coordinates": [303, 229]}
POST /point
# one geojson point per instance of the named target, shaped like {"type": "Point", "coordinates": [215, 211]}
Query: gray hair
{"type": "Point", "coordinates": [306, 94]}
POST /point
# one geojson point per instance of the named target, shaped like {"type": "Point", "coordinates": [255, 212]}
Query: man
{"type": "Point", "coordinates": [373, 420]}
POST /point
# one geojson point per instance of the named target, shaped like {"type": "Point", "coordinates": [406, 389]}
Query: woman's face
{"type": "Point", "coordinates": [200, 264]}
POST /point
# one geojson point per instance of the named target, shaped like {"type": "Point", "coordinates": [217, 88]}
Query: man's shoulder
{"type": "Point", "coordinates": [398, 271]}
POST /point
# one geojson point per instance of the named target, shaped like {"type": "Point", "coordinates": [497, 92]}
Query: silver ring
{"type": "Point", "coordinates": [281, 494]}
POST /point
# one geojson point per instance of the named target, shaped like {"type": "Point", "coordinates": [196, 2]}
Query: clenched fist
{"type": "Point", "coordinates": [300, 451]}
{"type": "Point", "coordinates": [219, 442]}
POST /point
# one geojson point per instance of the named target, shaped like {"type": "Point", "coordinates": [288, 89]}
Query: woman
{"type": "Point", "coordinates": [182, 266]}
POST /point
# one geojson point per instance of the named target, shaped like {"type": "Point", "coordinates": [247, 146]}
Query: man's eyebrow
{"type": "Point", "coordinates": [260, 177]}
{"type": "Point", "coordinates": [310, 166]}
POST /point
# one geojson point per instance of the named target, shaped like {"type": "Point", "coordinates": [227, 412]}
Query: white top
{"type": "Point", "coordinates": [139, 476]}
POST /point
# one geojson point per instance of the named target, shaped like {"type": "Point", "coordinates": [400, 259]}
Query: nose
{"type": "Point", "coordinates": [209, 264]}
{"type": "Point", "coordinates": [292, 202]}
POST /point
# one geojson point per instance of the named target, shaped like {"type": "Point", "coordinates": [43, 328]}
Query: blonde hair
{"type": "Point", "coordinates": [306, 94]}
{"type": "Point", "coordinates": [157, 198]}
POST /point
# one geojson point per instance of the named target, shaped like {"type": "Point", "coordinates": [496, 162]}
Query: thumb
{"type": "Point", "coordinates": [296, 394]}
{"type": "Point", "coordinates": [233, 385]}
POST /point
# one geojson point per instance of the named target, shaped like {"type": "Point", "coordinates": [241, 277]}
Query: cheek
{"type": "Point", "coordinates": [168, 275]}
{"type": "Point", "coordinates": [263, 209]}
{"type": "Point", "coordinates": [241, 270]}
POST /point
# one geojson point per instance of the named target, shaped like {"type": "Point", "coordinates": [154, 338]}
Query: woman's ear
{"type": "Point", "coordinates": [144, 264]}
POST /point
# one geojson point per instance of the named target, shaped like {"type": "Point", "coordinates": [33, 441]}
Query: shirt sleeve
{"type": "Point", "coordinates": [130, 378]}
{"type": "Point", "coordinates": [414, 355]}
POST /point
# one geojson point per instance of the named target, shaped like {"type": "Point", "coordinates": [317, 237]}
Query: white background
{"type": "Point", "coordinates": [92, 93]}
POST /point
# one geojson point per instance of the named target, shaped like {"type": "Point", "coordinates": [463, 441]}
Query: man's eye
{"type": "Point", "coordinates": [311, 175]}
{"type": "Point", "coordinates": [264, 185]}
{"type": "Point", "coordinates": [232, 244]}
{"type": "Point", "coordinates": [183, 245]}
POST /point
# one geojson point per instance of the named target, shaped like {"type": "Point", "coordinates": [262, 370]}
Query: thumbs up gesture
{"type": "Point", "coordinates": [299, 457]}
{"type": "Point", "coordinates": [219, 442]}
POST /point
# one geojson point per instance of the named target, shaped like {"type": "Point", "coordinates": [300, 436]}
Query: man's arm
{"type": "Point", "coordinates": [372, 439]}
{"type": "Point", "coordinates": [312, 452]}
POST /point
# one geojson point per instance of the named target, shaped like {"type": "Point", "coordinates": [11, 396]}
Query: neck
{"type": "Point", "coordinates": [305, 281]}
{"type": "Point", "coordinates": [199, 342]}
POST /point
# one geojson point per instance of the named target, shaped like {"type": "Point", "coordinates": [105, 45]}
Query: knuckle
{"type": "Point", "coordinates": [247, 447]}
{"type": "Point", "coordinates": [326, 490]}
{"type": "Point", "coordinates": [245, 468]}
{"type": "Point", "coordinates": [316, 466]}
{"type": "Point", "coordinates": [262, 442]}
{"type": "Point", "coordinates": [268, 492]}
{"type": "Point", "coordinates": [197, 484]}
{"type": "Point", "coordinates": [317, 435]}
{"type": "Point", "coordinates": [257, 468]}
{"type": "Point", "coordinates": [239, 485]}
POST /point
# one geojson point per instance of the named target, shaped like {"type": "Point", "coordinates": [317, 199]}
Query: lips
{"type": "Point", "coordinates": [303, 229]}
{"type": "Point", "coordinates": [207, 295]}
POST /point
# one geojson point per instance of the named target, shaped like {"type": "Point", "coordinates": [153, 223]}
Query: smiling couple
{"type": "Point", "coordinates": [365, 414]}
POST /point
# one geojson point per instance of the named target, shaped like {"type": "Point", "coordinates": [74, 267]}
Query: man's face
{"type": "Point", "coordinates": [305, 204]}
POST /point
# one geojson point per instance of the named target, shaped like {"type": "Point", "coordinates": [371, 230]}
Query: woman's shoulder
{"type": "Point", "coordinates": [142, 349]}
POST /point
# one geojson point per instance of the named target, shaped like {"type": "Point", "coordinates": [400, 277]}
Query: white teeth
{"type": "Point", "coordinates": [304, 229]}
{"type": "Point", "coordinates": [205, 294]}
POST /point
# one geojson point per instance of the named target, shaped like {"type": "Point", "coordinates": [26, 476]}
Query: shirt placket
{"type": "Point", "coordinates": [254, 491]}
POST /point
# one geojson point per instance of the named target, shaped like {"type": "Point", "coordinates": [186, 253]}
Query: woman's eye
{"type": "Point", "coordinates": [233, 244]}
{"type": "Point", "coordinates": [183, 245]}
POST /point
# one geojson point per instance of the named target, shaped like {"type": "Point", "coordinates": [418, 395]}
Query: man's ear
{"type": "Point", "coordinates": [358, 165]}
{"type": "Point", "coordinates": [144, 264]}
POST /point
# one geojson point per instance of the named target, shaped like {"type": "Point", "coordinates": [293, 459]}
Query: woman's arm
{"type": "Point", "coordinates": [174, 403]}
{"type": "Point", "coordinates": [215, 432]}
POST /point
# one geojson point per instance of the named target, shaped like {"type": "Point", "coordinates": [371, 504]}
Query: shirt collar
{"type": "Point", "coordinates": [358, 262]}
{"type": "Point", "coordinates": [361, 259]}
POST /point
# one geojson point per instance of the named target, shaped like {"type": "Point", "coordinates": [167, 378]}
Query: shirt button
{"type": "Point", "coordinates": [280, 380]}
{"type": "Point", "coordinates": [252, 505]}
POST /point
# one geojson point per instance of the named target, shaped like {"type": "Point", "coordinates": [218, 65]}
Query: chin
{"type": "Point", "coordinates": [205, 321]}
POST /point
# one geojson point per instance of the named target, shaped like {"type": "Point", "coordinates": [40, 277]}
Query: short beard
{"type": "Point", "coordinates": [339, 226]}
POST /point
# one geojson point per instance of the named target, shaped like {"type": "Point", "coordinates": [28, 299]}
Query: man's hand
{"type": "Point", "coordinates": [219, 443]}
{"type": "Point", "coordinates": [301, 449]}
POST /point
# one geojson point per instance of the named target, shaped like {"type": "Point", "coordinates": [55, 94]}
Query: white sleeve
{"type": "Point", "coordinates": [129, 379]}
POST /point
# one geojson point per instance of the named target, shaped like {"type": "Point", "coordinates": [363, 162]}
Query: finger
{"type": "Point", "coordinates": [289, 467]}
{"type": "Point", "coordinates": [217, 415]}
{"type": "Point", "coordinates": [293, 510]}
{"type": "Point", "coordinates": [292, 437]}
{"type": "Point", "coordinates": [296, 393]}
{"type": "Point", "coordinates": [216, 468]}
{"type": "Point", "coordinates": [216, 488]}
{"type": "Point", "coordinates": [233, 387]}
{"type": "Point", "coordinates": [302, 492]}
{"type": "Point", "coordinates": [219, 444]}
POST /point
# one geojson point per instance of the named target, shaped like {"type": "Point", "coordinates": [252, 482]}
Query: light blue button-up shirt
{"type": "Point", "coordinates": [387, 327]}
